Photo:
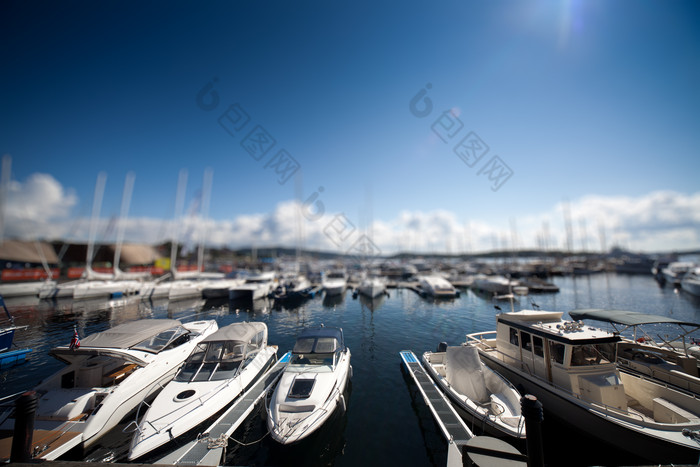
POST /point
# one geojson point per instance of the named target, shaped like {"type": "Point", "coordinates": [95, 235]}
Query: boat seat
{"type": "Point", "coordinates": [666, 411]}
{"type": "Point", "coordinates": [119, 373]}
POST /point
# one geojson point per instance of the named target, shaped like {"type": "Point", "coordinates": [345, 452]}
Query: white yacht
{"type": "Point", "coordinates": [312, 385]}
{"type": "Point", "coordinates": [335, 283]}
{"type": "Point", "coordinates": [27, 289]}
{"type": "Point", "coordinates": [372, 287]}
{"type": "Point", "coordinates": [255, 287]}
{"type": "Point", "coordinates": [437, 287]}
{"type": "Point", "coordinates": [495, 285]}
{"type": "Point", "coordinates": [674, 272]}
{"type": "Point", "coordinates": [219, 369]}
{"type": "Point", "coordinates": [107, 377]}
{"type": "Point", "coordinates": [221, 288]}
{"type": "Point", "coordinates": [691, 282]}
{"type": "Point", "coordinates": [291, 287]}
{"type": "Point", "coordinates": [488, 399]}
{"type": "Point", "coordinates": [564, 364]}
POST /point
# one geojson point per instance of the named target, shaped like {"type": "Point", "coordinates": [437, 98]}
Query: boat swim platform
{"type": "Point", "coordinates": [451, 424]}
{"type": "Point", "coordinates": [50, 443]}
{"type": "Point", "coordinates": [199, 451]}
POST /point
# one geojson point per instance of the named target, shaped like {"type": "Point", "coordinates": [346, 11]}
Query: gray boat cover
{"type": "Point", "coordinates": [465, 374]}
{"type": "Point", "coordinates": [240, 332]}
{"type": "Point", "coordinates": [128, 334]}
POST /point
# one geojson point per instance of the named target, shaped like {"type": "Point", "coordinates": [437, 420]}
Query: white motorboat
{"type": "Point", "coordinates": [108, 375]}
{"type": "Point", "coordinates": [691, 282]}
{"type": "Point", "coordinates": [255, 287]}
{"type": "Point", "coordinates": [495, 285]}
{"type": "Point", "coordinates": [220, 288]}
{"type": "Point", "coordinates": [219, 369]}
{"type": "Point", "coordinates": [437, 287]}
{"type": "Point", "coordinates": [674, 272]}
{"type": "Point", "coordinates": [372, 287]}
{"type": "Point", "coordinates": [335, 283]}
{"type": "Point", "coordinates": [488, 399]}
{"type": "Point", "coordinates": [312, 385]}
{"type": "Point", "coordinates": [564, 364]}
{"type": "Point", "coordinates": [292, 287]}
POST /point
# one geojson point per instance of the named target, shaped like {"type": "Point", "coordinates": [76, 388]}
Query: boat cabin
{"type": "Point", "coordinates": [566, 354]}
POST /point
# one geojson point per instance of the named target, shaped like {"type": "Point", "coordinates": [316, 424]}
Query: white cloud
{"type": "Point", "coordinates": [38, 205]}
{"type": "Point", "coordinates": [657, 221]}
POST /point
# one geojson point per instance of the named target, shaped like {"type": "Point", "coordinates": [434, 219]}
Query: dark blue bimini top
{"type": "Point", "coordinates": [319, 340]}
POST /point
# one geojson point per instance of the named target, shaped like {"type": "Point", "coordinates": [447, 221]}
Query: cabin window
{"type": "Point", "coordinates": [527, 343]}
{"type": "Point", "coordinates": [556, 351]}
{"type": "Point", "coordinates": [538, 345]}
{"type": "Point", "coordinates": [514, 336]}
{"type": "Point", "coordinates": [591, 354]}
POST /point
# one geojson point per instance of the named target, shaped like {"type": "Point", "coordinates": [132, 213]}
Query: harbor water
{"type": "Point", "coordinates": [385, 422]}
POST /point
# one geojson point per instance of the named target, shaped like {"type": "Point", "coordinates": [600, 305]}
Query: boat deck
{"type": "Point", "coordinates": [208, 451]}
{"type": "Point", "coordinates": [451, 424]}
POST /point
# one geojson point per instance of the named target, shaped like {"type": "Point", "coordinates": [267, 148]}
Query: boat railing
{"type": "Point", "coordinates": [665, 384]}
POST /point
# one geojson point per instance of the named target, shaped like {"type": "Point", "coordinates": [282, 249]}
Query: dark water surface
{"type": "Point", "coordinates": [386, 422]}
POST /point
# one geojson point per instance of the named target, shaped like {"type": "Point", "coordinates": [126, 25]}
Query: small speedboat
{"type": "Point", "coordinates": [217, 371]}
{"type": "Point", "coordinates": [335, 283]}
{"type": "Point", "coordinates": [108, 375]}
{"type": "Point", "coordinates": [372, 287]}
{"type": "Point", "coordinates": [437, 287]}
{"type": "Point", "coordinates": [489, 399]}
{"type": "Point", "coordinates": [312, 385]}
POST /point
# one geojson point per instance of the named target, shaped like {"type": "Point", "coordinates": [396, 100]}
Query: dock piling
{"type": "Point", "coordinates": [25, 409]}
{"type": "Point", "coordinates": [532, 411]}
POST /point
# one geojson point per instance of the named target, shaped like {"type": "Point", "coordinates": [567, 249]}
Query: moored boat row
{"type": "Point", "coordinates": [176, 376]}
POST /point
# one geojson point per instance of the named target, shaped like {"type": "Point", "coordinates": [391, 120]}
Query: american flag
{"type": "Point", "coordinates": [75, 341]}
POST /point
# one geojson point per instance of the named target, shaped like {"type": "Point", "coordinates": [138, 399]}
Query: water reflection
{"type": "Point", "coordinates": [332, 301]}
{"type": "Point", "coordinates": [371, 304]}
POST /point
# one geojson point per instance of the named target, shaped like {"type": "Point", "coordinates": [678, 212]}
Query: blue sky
{"type": "Point", "coordinates": [590, 105]}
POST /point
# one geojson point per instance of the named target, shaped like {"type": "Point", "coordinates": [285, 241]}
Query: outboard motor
{"type": "Point", "coordinates": [442, 347]}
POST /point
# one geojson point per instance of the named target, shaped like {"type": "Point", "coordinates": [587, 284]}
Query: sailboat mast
{"type": "Point", "coordinates": [179, 203]}
{"type": "Point", "coordinates": [126, 201]}
{"type": "Point", "coordinates": [206, 194]}
{"type": "Point", "coordinates": [96, 205]}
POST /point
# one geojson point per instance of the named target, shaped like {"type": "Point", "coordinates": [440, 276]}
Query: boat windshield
{"type": "Point", "coordinates": [164, 340]}
{"type": "Point", "coordinates": [213, 361]}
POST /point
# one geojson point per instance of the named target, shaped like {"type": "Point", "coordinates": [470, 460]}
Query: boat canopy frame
{"type": "Point", "coordinates": [634, 320]}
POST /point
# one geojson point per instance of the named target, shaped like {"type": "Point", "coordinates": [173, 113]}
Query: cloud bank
{"type": "Point", "coordinates": [41, 208]}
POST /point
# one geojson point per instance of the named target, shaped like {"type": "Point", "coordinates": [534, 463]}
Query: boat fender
{"type": "Point", "coordinates": [442, 347]}
{"type": "Point", "coordinates": [342, 402]}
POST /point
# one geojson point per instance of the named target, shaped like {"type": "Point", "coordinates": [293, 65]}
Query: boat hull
{"type": "Point", "coordinates": [642, 444]}
{"type": "Point", "coordinates": [171, 422]}
{"type": "Point", "coordinates": [292, 428]}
